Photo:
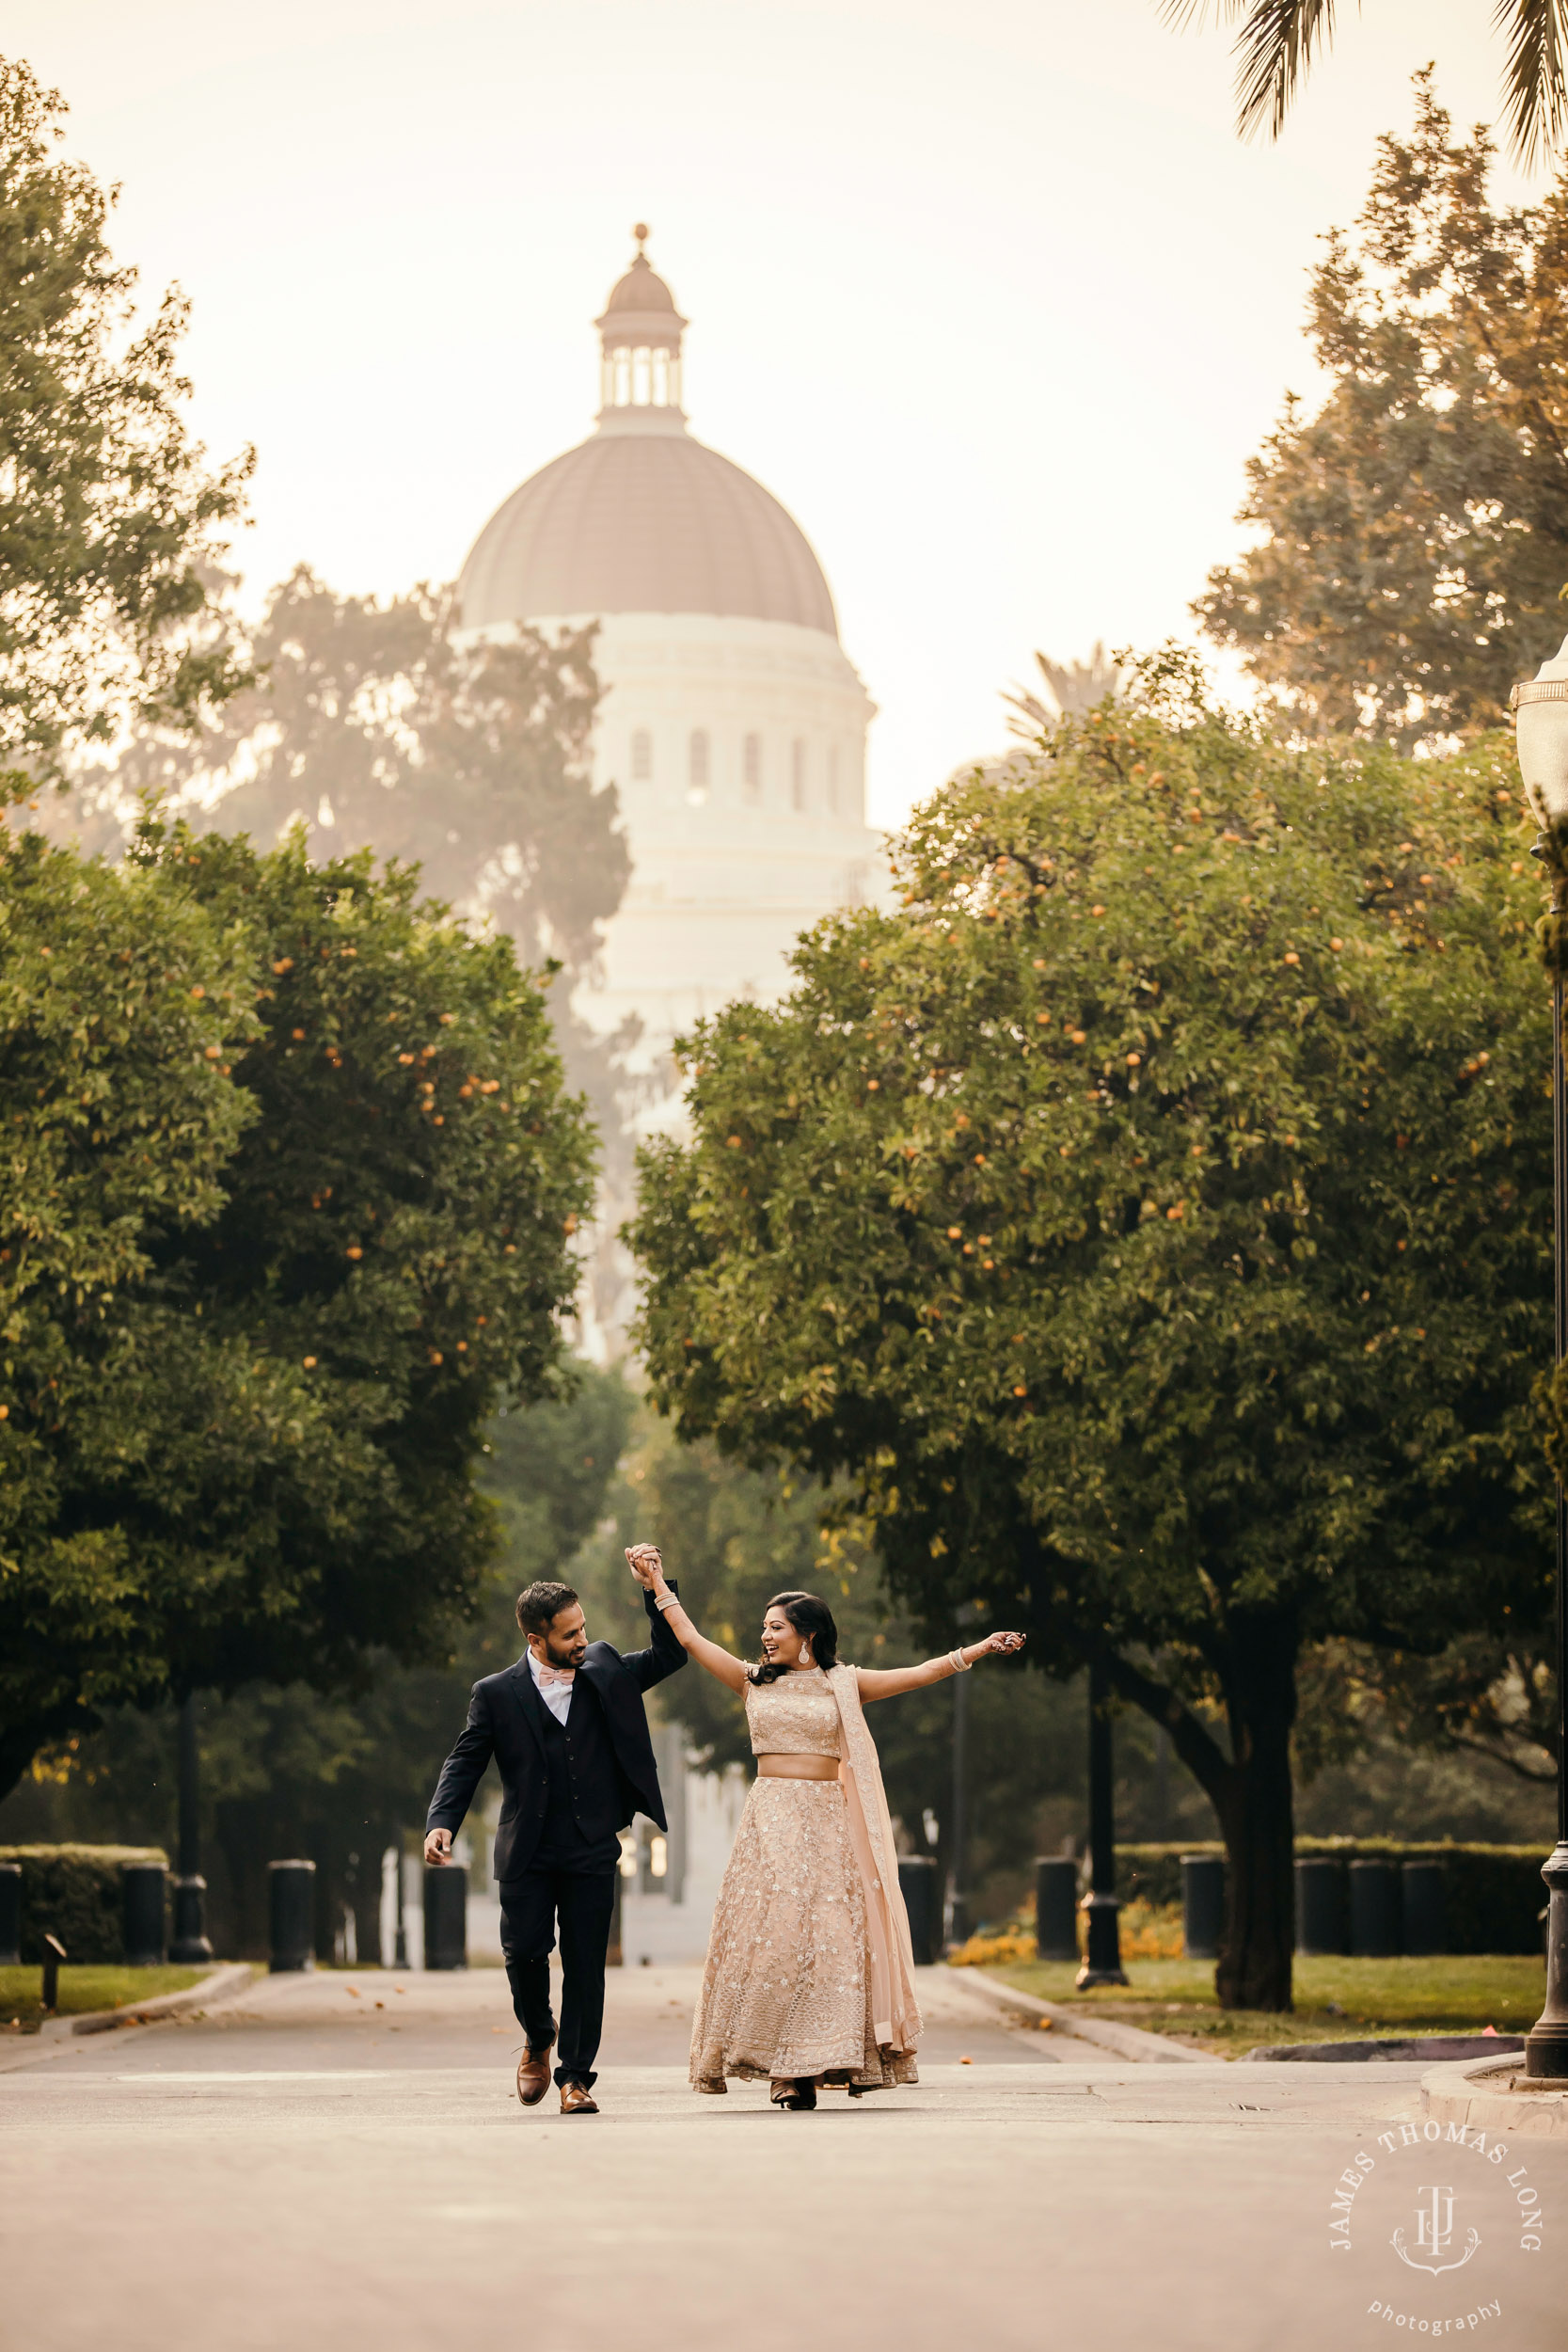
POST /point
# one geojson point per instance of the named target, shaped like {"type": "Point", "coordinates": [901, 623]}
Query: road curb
{"type": "Point", "coordinates": [221, 1985]}
{"type": "Point", "coordinates": [1482, 2096]}
{"type": "Point", "coordinates": [58, 2035]}
{"type": "Point", "coordinates": [1126, 2041]}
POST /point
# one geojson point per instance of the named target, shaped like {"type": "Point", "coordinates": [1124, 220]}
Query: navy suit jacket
{"type": "Point", "coordinates": [506, 1722]}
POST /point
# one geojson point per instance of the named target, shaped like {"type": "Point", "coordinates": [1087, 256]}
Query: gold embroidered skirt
{"type": "Point", "coordinates": [785, 1990]}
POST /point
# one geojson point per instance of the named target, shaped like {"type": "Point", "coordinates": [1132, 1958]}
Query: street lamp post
{"type": "Point", "coordinates": [1101, 1907]}
{"type": "Point", "coordinates": [399, 1946]}
{"type": "Point", "coordinates": [1540, 708]}
{"type": "Point", "coordinates": [955, 1921]}
{"type": "Point", "coordinates": [955, 1925]}
{"type": "Point", "coordinates": [190, 1941]}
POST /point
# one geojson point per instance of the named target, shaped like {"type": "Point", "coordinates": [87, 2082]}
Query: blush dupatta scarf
{"type": "Point", "coordinates": [895, 2011]}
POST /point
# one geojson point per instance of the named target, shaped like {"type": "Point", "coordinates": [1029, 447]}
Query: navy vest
{"type": "Point", "coordinates": [584, 1806]}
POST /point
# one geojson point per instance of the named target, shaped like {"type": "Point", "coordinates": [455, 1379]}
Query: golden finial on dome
{"type": "Point", "coordinates": [641, 232]}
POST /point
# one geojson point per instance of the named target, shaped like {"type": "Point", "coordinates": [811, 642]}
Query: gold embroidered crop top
{"type": "Point", "coordinates": [798, 1715]}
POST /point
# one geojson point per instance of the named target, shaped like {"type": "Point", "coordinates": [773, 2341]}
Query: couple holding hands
{"type": "Point", "coordinates": [809, 1980]}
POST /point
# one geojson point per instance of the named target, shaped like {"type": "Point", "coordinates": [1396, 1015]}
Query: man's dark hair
{"type": "Point", "coordinates": [540, 1603]}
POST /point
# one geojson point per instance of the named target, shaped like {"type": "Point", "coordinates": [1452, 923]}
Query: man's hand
{"type": "Point", "coordinates": [437, 1846]}
{"type": "Point", "coordinates": [645, 1564]}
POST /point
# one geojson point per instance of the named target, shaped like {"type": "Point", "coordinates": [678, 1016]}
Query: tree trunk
{"type": "Point", "coordinates": [1258, 1817]}
{"type": "Point", "coordinates": [1250, 1791]}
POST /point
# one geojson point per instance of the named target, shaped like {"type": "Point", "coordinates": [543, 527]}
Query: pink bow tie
{"type": "Point", "coordinates": [554, 1673]}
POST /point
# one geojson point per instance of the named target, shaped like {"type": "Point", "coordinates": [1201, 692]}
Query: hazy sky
{"type": "Point", "coordinates": [989, 294]}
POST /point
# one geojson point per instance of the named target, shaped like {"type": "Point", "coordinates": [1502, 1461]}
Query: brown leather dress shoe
{"type": "Point", "coordinates": [576, 2100]}
{"type": "Point", "coordinates": [533, 2074]}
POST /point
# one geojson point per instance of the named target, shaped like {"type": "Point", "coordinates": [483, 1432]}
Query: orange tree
{"type": "Point", "coordinates": [288, 1204]}
{"type": "Point", "coordinates": [1149, 1220]}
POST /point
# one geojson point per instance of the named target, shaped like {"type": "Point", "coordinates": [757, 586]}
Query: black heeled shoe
{"type": "Point", "coordinates": [797, 2093]}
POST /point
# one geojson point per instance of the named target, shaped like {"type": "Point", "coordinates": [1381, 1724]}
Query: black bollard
{"type": "Point", "coordinates": [54, 1952]}
{"type": "Point", "coordinates": [1374, 1909]}
{"type": "Point", "coordinates": [142, 1895]}
{"type": "Point", "coordinates": [10, 1914]}
{"type": "Point", "coordinates": [918, 1883]}
{"type": "Point", "coordinates": [1320, 1905]}
{"type": "Point", "coordinates": [291, 1908]}
{"type": "Point", "coordinates": [446, 1915]}
{"type": "Point", "coordinates": [1202, 1905]}
{"type": "Point", "coordinates": [1425, 1907]}
{"type": "Point", "coordinates": [1055, 1907]}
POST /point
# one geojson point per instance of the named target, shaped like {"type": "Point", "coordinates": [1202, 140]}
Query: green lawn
{"type": "Point", "coordinates": [83, 1989]}
{"type": "Point", "coordinates": [1335, 1999]}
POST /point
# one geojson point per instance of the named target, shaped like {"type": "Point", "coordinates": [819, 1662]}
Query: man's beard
{"type": "Point", "coordinates": [569, 1654]}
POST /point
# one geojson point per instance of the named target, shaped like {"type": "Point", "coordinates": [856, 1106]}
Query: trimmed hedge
{"type": "Point", "coordinates": [1495, 1894]}
{"type": "Point", "coordinates": [75, 1892]}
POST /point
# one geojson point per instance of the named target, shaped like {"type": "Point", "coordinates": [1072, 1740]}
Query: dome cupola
{"type": "Point", "coordinates": [643, 517]}
{"type": "Point", "coordinates": [640, 335]}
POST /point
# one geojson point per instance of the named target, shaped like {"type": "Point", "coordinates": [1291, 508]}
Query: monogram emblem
{"type": "Point", "coordinates": [1435, 2235]}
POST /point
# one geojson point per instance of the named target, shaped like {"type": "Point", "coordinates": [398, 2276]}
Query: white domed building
{"type": "Point", "coordinates": [732, 724]}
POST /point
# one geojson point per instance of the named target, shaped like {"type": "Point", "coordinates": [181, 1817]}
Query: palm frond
{"type": "Point", "coordinates": [1180, 13]}
{"type": "Point", "coordinates": [1274, 49]}
{"type": "Point", "coordinates": [1075, 688]}
{"type": "Point", "coordinates": [1536, 88]}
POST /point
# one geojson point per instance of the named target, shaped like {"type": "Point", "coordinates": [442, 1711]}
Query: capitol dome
{"type": "Point", "coordinates": [731, 725]}
{"type": "Point", "coordinates": [641, 517]}
{"type": "Point", "coordinates": [645, 522]}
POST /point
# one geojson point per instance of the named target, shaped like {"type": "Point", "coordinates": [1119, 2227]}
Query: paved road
{"type": "Point", "coordinates": [316, 2167]}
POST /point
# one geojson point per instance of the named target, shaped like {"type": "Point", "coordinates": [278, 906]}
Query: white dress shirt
{"type": "Point", "coordinates": [556, 1696]}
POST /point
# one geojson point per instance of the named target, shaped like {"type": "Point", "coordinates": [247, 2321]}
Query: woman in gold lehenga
{"type": "Point", "coordinates": [810, 1974]}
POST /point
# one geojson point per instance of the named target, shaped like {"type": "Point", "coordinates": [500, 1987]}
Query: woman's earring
{"type": "Point", "coordinates": [805, 1653]}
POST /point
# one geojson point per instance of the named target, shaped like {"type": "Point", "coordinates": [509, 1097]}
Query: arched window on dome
{"type": "Point", "coordinates": [697, 765]}
{"type": "Point", "coordinates": [798, 774]}
{"type": "Point", "coordinates": [640, 375]}
{"type": "Point", "coordinates": [751, 767]}
{"type": "Point", "coordinates": [642, 755]}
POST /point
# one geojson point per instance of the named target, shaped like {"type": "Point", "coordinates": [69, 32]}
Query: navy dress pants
{"type": "Point", "coordinates": [584, 1901]}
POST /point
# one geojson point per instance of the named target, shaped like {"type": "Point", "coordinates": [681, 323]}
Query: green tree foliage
{"type": "Point", "coordinates": [1491, 1693]}
{"type": "Point", "coordinates": [292, 1185]}
{"type": "Point", "coordinates": [109, 521]}
{"type": "Point", "coordinates": [1414, 532]}
{"type": "Point", "coordinates": [289, 1769]}
{"type": "Point", "coordinates": [369, 728]}
{"type": "Point", "coordinates": [119, 1000]}
{"type": "Point", "coordinates": [1150, 1221]}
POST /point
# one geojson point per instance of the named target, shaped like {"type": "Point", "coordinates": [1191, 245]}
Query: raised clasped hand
{"type": "Point", "coordinates": [644, 1562]}
{"type": "Point", "coordinates": [1005, 1644]}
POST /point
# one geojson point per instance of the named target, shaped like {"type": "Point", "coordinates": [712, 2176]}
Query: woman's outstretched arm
{"type": "Point", "coordinates": [645, 1564]}
{"type": "Point", "coordinates": [877, 1682]}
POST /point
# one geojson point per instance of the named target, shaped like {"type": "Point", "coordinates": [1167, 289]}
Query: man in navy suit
{"type": "Point", "coordinates": [567, 1730]}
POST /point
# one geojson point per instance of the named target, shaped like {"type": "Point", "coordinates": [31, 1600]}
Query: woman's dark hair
{"type": "Point", "coordinates": [813, 1621]}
